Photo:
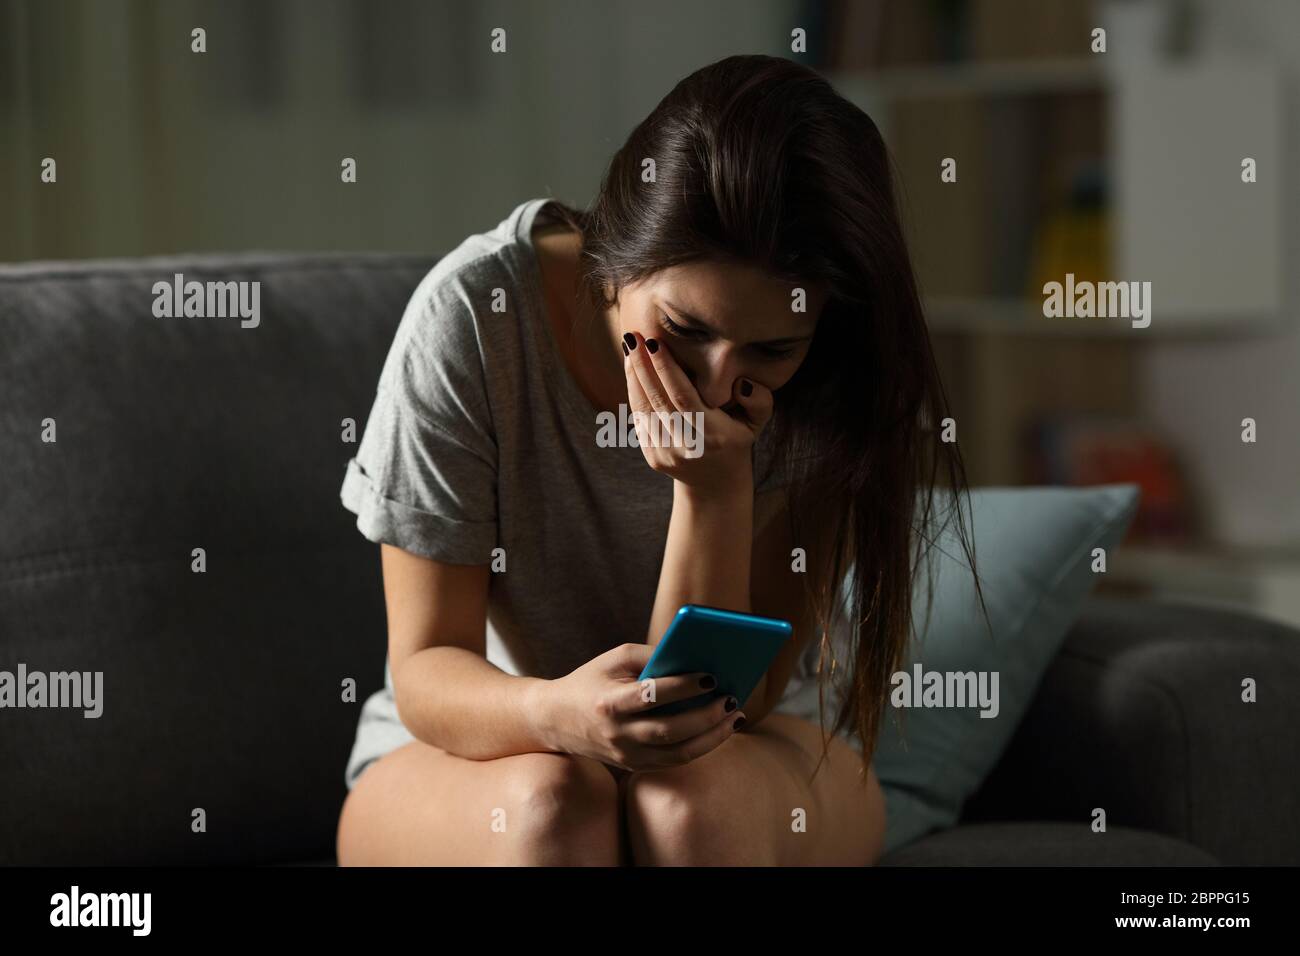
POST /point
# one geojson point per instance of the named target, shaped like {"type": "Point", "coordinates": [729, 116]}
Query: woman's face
{"type": "Point", "coordinates": [723, 321]}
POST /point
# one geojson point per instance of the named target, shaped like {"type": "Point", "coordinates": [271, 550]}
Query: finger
{"type": "Point", "coordinates": [628, 659]}
{"type": "Point", "coordinates": [637, 697]}
{"type": "Point", "coordinates": [695, 747]}
{"type": "Point", "coordinates": [647, 376]}
{"type": "Point", "coordinates": [757, 405]}
{"type": "Point", "coordinates": [670, 729]}
{"type": "Point", "coordinates": [656, 431]}
{"type": "Point", "coordinates": [638, 403]}
{"type": "Point", "coordinates": [656, 691]}
{"type": "Point", "coordinates": [679, 389]}
{"type": "Point", "coordinates": [636, 396]}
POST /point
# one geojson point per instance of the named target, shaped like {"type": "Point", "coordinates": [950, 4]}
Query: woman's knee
{"type": "Point", "coordinates": [564, 808]}
{"type": "Point", "coordinates": [675, 819]}
{"type": "Point", "coordinates": [419, 805]}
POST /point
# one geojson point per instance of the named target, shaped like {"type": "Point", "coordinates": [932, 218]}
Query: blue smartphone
{"type": "Point", "coordinates": [735, 648]}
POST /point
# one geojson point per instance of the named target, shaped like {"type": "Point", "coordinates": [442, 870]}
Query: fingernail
{"type": "Point", "coordinates": [708, 682]}
{"type": "Point", "coordinates": [630, 339]}
{"type": "Point", "coordinates": [746, 387]}
{"type": "Point", "coordinates": [625, 351]}
{"type": "Point", "coordinates": [740, 722]}
{"type": "Point", "coordinates": [651, 346]}
{"type": "Point", "coordinates": [731, 704]}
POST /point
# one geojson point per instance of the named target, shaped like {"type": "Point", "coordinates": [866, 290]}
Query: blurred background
{"type": "Point", "coordinates": [1123, 166]}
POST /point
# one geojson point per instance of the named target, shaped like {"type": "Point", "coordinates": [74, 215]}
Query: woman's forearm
{"type": "Point", "coordinates": [453, 699]}
{"type": "Point", "coordinates": [707, 560]}
{"type": "Point", "coordinates": [707, 554]}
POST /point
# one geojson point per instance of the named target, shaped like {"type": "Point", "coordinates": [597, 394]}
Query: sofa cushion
{"type": "Point", "coordinates": [1034, 555]}
{"type": "Point", "coordinates": [1046, 844]}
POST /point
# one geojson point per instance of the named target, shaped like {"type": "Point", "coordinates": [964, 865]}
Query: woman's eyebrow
{"type": "Point", "coordinates": [785, 340]}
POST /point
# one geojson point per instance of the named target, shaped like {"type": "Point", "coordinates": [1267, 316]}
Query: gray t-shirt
{"type": "Point", "coordinates": [480, 439]}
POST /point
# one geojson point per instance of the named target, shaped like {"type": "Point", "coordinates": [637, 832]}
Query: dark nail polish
{"type": "Point", "coordinates": [740, 722]}
{"type": "Point", "coordinates": [630, 339]}
{"type": "Point", "coordinates": [731, 704]}
{"type": "Point", "coordinates": [746, 388]}
{"type": "Point", "coordinates": [708, 682]}
{"type": "Point", "coordinates": [651, 346]}
{"type": "Point", "coordinates": [625, 352]}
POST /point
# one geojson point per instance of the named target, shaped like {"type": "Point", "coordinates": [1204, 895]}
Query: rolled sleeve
{"type": "Point", "coordinates": [424, 533]}
{"type": "Point", "coordinates": [424, 475]}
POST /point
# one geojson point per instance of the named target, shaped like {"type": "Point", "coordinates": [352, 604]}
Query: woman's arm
{"type": "Point", "coordinates": [712, 555]}
{"type": "Point", "coordinates": [710, 531]}
{"type": "Point", "coordinates": [703, 564]}
{"type": "Point", "coordinates": [447, 693]}
{"type": "Point", "coordinates": [707, 554]}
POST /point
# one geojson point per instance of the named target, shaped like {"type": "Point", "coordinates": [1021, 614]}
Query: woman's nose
{"type": "Point", "coordinates": [715, 384]}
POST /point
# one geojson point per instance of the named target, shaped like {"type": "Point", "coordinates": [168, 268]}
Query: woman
{"type": "Point", "coordinates": [744, 263]}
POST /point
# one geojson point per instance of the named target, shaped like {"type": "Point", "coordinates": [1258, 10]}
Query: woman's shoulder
{"type": "Point", "coordinates": [489, 272]}
{"type": "Point", "coordinates": [473, 301]}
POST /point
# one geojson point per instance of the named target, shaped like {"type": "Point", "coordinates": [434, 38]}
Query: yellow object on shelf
{"type": "Point", "coordinates": [1071, 241]}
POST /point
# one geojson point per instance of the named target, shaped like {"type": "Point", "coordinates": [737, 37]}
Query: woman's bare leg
{"type": "Point", "coordinates": [421, 806]}
{"type": "Point", "coordinates": [748, 803]}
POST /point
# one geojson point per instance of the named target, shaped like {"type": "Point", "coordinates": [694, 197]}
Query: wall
{"type": "Point", "coordinates": [161, 149]}
{"type": "Point", "coordinates": [1201, 390]}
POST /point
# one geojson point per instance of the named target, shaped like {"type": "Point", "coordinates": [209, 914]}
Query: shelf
{"type": "Point", "coordinates": [1177, 212]}
{"type": "Point", "coordinates": [975, 79]}
{"type": "Point", "coordinates": [1009, 316]}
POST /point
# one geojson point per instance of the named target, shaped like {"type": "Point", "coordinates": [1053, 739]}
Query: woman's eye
{"type": "Point", "coordinates": [676, 329]}
{"type": "Point", "coordinates": [774, 353]}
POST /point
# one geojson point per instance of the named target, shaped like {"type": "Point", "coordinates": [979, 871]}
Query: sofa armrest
{"type": "Point", "coordinates": [1142, 714]}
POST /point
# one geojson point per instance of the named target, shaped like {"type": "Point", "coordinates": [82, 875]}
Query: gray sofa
{"type": "Point", "coordinates": [223, 690]}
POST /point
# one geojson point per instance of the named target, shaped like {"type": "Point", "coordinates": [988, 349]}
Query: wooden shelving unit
{"type": "Point", "coordinates": [1176, 214]}
{"type": "Point", "coordinates": [1022, 317]}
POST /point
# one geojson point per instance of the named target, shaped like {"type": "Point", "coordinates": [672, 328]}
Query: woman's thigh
{"type": "Point", "coordinates": [750, 802]}
{"type": "Point", "coordinates": [421, 806]}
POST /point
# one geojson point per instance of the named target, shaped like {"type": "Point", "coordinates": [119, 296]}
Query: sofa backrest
{"type": "Point", "coordinates": [222, 691]}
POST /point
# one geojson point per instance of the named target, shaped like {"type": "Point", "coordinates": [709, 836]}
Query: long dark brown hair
{"type": "Point", "coordinates": [757, 159]}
